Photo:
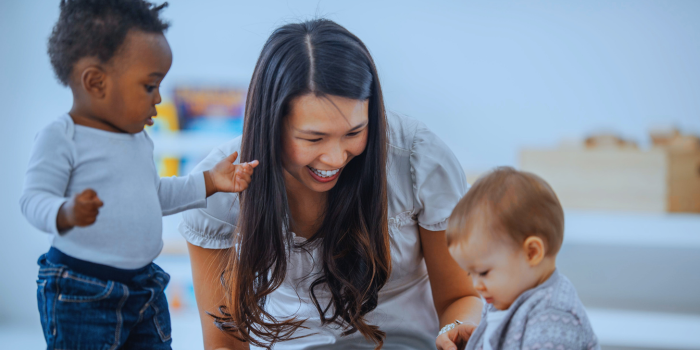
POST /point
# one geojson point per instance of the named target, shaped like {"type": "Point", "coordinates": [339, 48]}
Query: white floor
{"type": "Point", "coordinates": [630, 329]}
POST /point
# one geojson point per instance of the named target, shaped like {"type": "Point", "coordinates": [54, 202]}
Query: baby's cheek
{"type": "Point", "coordinates": [501, 288]}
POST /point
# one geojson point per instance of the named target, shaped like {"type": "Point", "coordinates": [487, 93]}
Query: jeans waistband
{"type": "Point", "coordinates": [103, 272]}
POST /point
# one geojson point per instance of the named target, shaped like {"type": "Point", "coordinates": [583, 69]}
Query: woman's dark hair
{"type": "Point", "coordinates": [322, 58]}
{"type": "Point", "coordinates": [97, 28]}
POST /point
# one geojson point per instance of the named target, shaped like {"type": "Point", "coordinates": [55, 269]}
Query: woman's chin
{"type": "Point", "coordinates": [320, 187]}
{"type": "Point", "coordinates": [305, 179]}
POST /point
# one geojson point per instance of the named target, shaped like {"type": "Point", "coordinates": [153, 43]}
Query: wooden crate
{"type": "Point", "coordinates": [609, 179]}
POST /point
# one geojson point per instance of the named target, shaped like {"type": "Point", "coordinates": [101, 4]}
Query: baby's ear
{"type": "Point", "coordinates": [534, 250]}
{"type": "Point", "coordinates": [94, 81]}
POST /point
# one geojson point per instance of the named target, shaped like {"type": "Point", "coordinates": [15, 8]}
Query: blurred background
{"type": "Point", "coordinates": [601, 98]}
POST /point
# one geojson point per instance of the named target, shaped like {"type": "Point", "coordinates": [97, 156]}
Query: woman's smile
{"type": "Point", "coordinates": [324, 175]}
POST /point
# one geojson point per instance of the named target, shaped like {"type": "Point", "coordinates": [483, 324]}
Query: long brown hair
{"type": "Point", "coordinates": [322, 58]}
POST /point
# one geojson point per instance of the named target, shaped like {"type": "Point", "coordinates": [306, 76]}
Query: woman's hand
{"type": "Point", "coordinates": [228, 177]}
{"type": "Point", "coordinates": [456, 338]}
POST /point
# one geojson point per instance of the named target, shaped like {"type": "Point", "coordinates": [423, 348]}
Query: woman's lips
{"type": "Point", "coordinates": [322, 179]}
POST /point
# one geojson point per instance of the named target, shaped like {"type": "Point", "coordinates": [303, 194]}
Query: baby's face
{"type": "Point", "coordinates": [498, 266]}
{"type": "Point", "coordinates": [135, 76]}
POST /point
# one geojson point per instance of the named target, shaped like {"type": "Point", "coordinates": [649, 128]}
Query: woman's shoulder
{"type": "Point", "coordinates": [424, 177]}
{"type": "Point", "coordinates": [402, 130]}
{"type": "Point", "coordinates": [410, 134]}
{"type": "Point", "coordinates": [412, 139]}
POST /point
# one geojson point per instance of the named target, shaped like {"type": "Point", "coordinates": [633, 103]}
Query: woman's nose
{"type": "Point", "coordinates": [335, 156]}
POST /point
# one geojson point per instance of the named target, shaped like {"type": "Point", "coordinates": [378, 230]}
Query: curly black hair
{"type": "Point", "coordinates": [97, 28]}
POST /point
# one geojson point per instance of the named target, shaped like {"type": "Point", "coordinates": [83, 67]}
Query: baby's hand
{"type": "Point", "coordinates": [456, 338]}
{"type": "Point", "coordinates": [228, 177]}
{"type": "Point", "coordinates": [81, 210]}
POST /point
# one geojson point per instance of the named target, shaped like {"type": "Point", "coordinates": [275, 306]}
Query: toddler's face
{"type": "Point", "coordinates": [135, 78]}
{"type": "Point", "coordinates": [498, 267]}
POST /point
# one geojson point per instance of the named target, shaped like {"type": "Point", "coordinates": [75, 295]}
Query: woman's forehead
{"type": "Point", "coordinates": [312, 113]}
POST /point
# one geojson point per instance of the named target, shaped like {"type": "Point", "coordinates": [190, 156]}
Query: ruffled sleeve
{"type": "Point", "coordinates": [213, 227]}
{"type": "Point", "coordinates": [438, 179]}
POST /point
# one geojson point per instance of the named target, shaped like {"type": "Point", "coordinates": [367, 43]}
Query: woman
{"type": "Point", "coordinates": [341, 231]}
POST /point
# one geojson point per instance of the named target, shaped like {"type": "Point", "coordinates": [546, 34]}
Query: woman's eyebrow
{"type": "Point", "coordinates": [318, 133]}
{"type": "Point", "coordinates": [359, 126]}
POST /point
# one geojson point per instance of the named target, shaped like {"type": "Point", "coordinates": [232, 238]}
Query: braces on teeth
{"type": "Point", "coordinates": [324, 173]}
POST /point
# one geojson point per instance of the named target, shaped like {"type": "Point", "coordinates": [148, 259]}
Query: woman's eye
{"type": "Point", "coordinates": [483, 274]}
{"type": "Point", "coordinates": [150, 88]}
{"type": "Point", "coordinates": [314, 140]}
{"type": "Point", "coordinates": [354, 133]}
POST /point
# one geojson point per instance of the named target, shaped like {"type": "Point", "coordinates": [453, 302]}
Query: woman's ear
{"type": "Point", "coordinates": [94, 81]}
{"type": "Point", "coordinates": [534, 250]}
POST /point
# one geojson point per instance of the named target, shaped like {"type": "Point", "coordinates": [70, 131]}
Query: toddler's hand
{"type": "Point", "coordinates": [456, 338]}
{"type": "Point", "coordinates": [81, 210]}
{"type": "Point", "coordinates": [228, 177]}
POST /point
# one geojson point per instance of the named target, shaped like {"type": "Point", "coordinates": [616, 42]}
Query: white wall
{"type": "Point", "coordinates": [488, 77]}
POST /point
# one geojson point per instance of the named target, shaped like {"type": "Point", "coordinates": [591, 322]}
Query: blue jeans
{"type": "Point", "coordinates": [82, 312]}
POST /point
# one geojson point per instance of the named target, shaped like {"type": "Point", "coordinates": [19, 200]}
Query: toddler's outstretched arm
{"type": "Point", "coordinates": [188, 192]}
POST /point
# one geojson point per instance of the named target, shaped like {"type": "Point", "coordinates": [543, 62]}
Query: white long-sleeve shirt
{"type": "Point", "coordinates": [67, 159]}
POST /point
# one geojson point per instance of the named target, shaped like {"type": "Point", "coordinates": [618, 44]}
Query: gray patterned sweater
{"type": "Point", "coordinates": [549, 316]}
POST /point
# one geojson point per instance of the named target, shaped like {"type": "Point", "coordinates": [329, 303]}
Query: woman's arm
{"type": "Point", "coordinates": [207, 265]}
{"type": "Point", "coordinates": [453, 293]}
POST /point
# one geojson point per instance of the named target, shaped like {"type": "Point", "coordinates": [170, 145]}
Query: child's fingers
{"type": "Point", "coordinates": [443, 342]}
{"type": "Point", "coordinates": [232, 157]}
{"type": "Point", "coordinates": [96, 202]}
{"type": "Point", "coordinates": [244, 168]}
{"type": "Point", "coordinates": [250, 165]}
{"type": "Point", "coordinates": [87, 194]}
{"type": "Point", "coordinates": [243, 179]}
{"type": "Point", "coordinates": [464, 332]}
{"type": "Point", "coordinates": [91, 206]}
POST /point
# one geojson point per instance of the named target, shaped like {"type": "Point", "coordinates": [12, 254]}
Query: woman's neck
{"type": "Point", "coordinates": [305, 206]}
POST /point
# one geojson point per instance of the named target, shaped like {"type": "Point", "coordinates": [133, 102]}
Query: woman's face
{"type": "Point", "coordinates": [321, 136]}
